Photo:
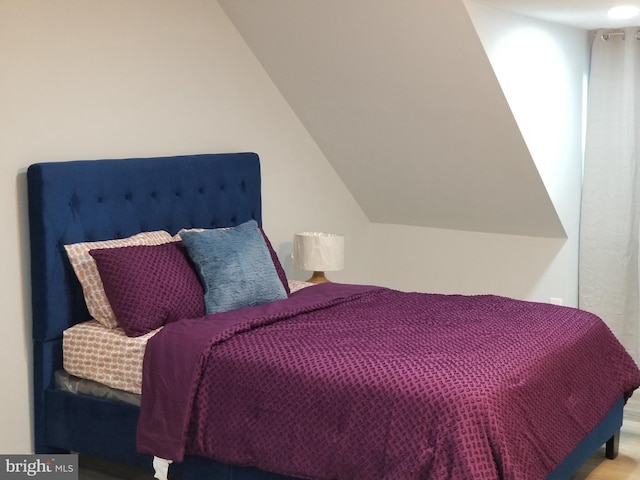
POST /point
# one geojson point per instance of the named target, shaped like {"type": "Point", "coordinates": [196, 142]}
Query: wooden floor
{"type": "Point", "coordinates": [625, 467]}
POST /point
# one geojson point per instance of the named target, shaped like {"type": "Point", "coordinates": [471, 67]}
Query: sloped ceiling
{"type": "Point", "coordinates": [402, 100]}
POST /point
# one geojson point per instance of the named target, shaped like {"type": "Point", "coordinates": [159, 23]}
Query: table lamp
{"type": "Point", "coordinates": [318, 252]}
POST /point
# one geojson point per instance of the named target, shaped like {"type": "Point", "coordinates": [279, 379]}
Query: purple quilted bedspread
{"type": "Point", "coordinates": [353, 382]}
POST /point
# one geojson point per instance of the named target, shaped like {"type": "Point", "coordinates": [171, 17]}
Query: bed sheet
{"type": "Point", "coordinates": [105, 355]}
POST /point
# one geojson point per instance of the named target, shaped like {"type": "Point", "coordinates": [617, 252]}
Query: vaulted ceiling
{"type": "Point", "coordinates": [402, 100]}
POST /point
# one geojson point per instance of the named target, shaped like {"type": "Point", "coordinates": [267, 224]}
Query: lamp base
{"type": "Point", "coordinates": [318, 277]}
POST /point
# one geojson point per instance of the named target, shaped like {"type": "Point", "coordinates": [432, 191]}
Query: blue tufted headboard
{"type": "Point", "coordinates": [91, 200]}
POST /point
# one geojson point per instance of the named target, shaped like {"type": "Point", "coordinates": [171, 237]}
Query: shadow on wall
{"type": "Point", "coordinates": [25, 261]}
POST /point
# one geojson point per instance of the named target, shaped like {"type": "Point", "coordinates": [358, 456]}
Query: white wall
{"type": "Point", "coordinates": [541, 68]}
{"type": "Point", "coordinates": [115, 78]}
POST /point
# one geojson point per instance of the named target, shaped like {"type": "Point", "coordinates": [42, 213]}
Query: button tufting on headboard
{"type": "Point", "coordinates": [71, 202]}
{"type": "Point", "coordinates": [79, 201]}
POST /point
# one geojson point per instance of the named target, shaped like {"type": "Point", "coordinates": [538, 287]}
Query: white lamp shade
{"type": "Point", "coordinates": [316, 251]}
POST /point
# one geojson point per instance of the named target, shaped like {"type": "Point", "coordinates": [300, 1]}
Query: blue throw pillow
{"type": "Point", "coordinates": [235, 267]}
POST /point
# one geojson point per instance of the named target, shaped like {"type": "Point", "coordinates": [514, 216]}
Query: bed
{"type": "Point", "coordinates": [100, 200]}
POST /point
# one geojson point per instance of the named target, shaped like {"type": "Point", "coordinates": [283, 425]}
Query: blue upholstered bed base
{"type": "Point", "coordinates": [79, 201]}
{"type": "Point", "coordinates": [92, 200]}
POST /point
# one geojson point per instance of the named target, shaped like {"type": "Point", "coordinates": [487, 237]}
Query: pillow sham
{"type": "Point", "coordinates": [274, 256]}
{"type": "Point", "coordinates": [234, 266]}
{"type": "Point", "coordinates": [276, 263]}
{"type": "Point", "coordinates": [149, 286]}
{"type": "Point", "coordinates": [85, 268]}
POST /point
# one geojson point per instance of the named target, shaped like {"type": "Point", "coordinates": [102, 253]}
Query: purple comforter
{"type": "Point", "coordinates": [352, 382]}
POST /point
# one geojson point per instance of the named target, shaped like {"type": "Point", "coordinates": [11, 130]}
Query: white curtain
{"type": "Point", "coordinates": [609, 228]}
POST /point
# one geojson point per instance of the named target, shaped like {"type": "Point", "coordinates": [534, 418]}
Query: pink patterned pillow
{"type": "Point", "coordinates": [85, 268]}
{"type": "Point", "coordinates": [149, 286]}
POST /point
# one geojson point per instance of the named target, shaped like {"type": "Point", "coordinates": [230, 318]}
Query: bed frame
{"type": "Point", "coordinates": [92, 200]}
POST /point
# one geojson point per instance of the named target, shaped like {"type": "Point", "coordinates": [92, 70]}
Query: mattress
{"type": "Point", "coordinates": [108, 356]}
{"type": "Point", "coordinates": [105, 355]}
